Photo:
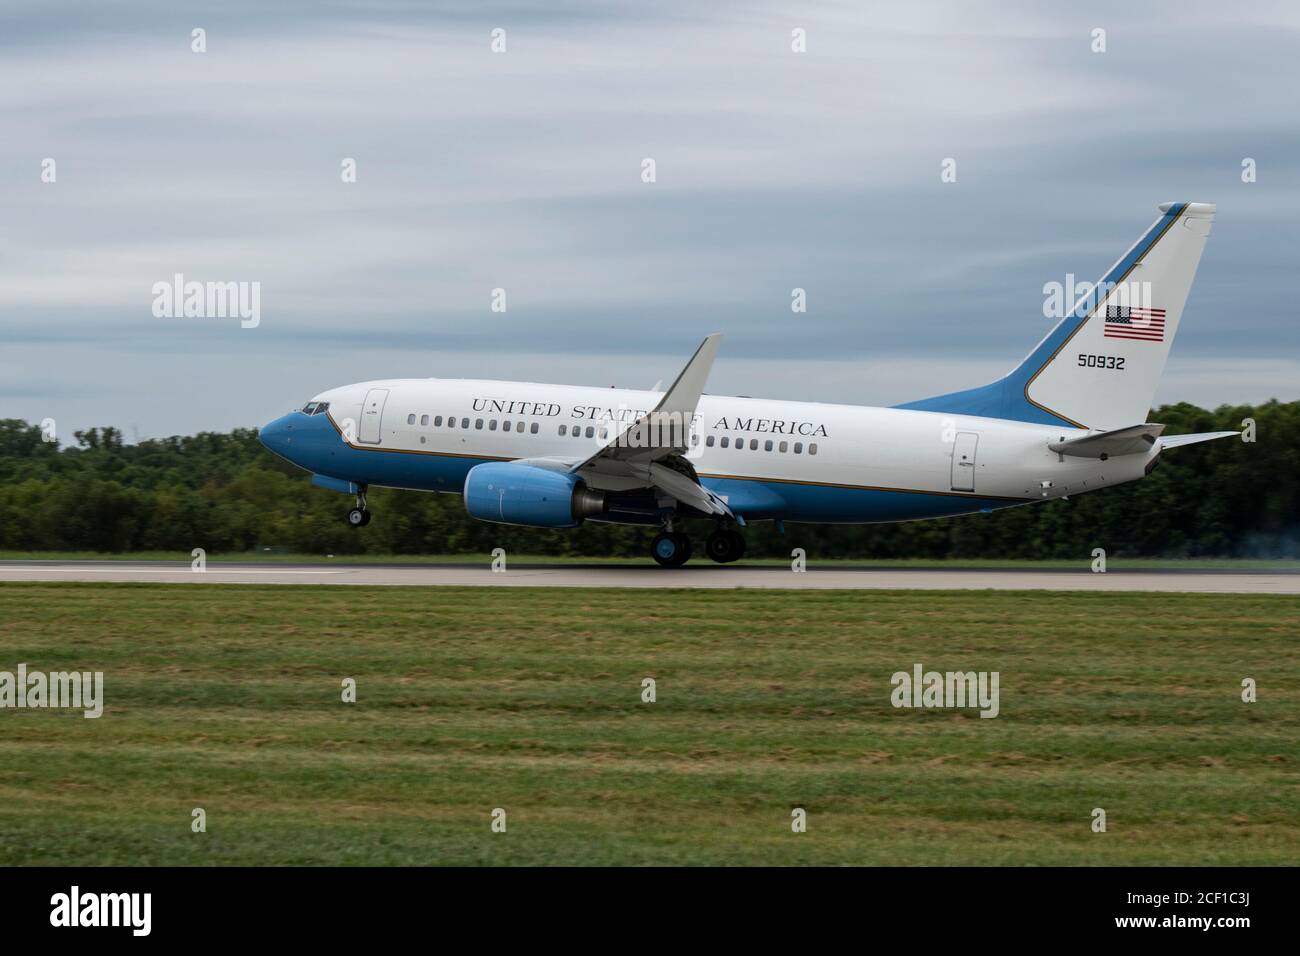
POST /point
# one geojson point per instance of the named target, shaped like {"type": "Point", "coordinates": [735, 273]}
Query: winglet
{"type": "Point", "coordinates": [666, 429]}
{"type": "Point", "coordinates": [684, 394]}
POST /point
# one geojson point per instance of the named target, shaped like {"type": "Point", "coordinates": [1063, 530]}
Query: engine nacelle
{"type": "Point", "coordinates": [511, 493]}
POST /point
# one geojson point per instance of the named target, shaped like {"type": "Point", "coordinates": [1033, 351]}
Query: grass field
{"type": "Point", "coordinates": [228, 698]}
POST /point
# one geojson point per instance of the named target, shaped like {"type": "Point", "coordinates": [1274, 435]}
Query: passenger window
{"type": "Point", "coordinates": [437, 422]}
{"type": "Point", "coordinates": [478, 422]}
{"type": "Point", "coordinates": [798, 447]}
{"type": "Point", "coordinates": [564, 430]}
{"type": "Point", "coordinates": [725, 441]}
{"type": "Point", "coordinates": [767, 445]}
{"type": "Point", "coordinates": [590, 431]}
{"type": "Point", "coordinates": [492, 425]}
{"type": "Point", "coordinates": [451, 423]}
{"type": "Point", "coordinates": [602, 433]}
{"type": "Point", "coordinates": [695, 440]}
{"type": "Point", "coordinates": [533, 429]}
{"type": "Point", "coordinates": [709, 441]}
{"type": "Point", "coordinates": [753, 444]}
{"type": "Point", "coordinates": [519, 427]}
{"type": "Point", "coordinates": [424, 419]}
{"type": "Point", "coordinates": [410, 419]}
{"type": "Point", "coordinates": [783, 447]}
{"type": "Point", "coordinates": [812, 449]}
{"type": "Point", "coordinates": [464, 422]}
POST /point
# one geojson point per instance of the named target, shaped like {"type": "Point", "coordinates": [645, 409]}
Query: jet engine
{"type": "Point", "coordinates": [513, 493]}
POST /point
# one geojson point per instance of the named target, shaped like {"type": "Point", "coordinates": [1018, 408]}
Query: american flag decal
{"type": "Point", "coordinates": [1144, 325]}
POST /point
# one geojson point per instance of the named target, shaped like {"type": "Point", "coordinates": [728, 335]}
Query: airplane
{"type": "Point", "coordinates": [1070, 418]}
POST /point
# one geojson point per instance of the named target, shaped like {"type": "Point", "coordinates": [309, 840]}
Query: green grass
{"type": "Point", "coordinates": [228, 698]}
{"type": "Point", "coordinates": [1083, 563]}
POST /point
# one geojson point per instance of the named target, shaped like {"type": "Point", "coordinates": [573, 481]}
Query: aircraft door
{"type": "Point", "coordinates": [372, 417]}
{"type": "Point", "coordinates": [963, 461]}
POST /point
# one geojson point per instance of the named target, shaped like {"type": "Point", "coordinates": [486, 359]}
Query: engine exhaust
{"type": "Point", "coordinates": [588, 503]}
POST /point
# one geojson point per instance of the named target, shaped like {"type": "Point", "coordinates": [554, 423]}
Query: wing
{"type": "Point", "coordinates": [648, 453]}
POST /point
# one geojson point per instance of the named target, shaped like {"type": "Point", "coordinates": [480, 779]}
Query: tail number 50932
{"type": "Point", "coordinates": [1102, 361]}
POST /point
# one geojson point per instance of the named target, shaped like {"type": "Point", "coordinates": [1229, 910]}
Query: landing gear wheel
{"type": "Point", "coordinates": [725, 546]}
{"type": "Point", "coordinates": [737, 544]}
{"type": "Point", "coordinates": [718, 547]}
{"type": "Point", "coordinates": [670, 549]}
{"type": "Point", "coordinates": [359, 516]}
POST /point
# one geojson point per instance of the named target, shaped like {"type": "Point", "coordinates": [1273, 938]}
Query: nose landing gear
{"type": "Point", "coordinates": [359, 516]}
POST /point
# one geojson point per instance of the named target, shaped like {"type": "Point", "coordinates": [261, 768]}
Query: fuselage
{"type": "Point", "coordinates": [1070, 417]}
{"type": "Point", "coordinates": [798, 461]}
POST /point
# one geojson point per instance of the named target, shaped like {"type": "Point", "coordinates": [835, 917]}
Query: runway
{"type": "Point", "coordinates": [650, 576]}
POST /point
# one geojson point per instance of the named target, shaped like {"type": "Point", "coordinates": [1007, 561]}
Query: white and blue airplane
{"type": "Point", "coordinates": [1070, 418]}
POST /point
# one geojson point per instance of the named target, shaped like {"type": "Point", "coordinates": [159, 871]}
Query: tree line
{"type": "Point", "coordinates": [225, 493]}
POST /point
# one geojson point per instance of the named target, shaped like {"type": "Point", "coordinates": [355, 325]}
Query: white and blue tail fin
{"type": "Point", "coordinates": [1100, 366]}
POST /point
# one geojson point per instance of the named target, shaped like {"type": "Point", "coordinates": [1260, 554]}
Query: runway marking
{"type": "Point", "coordinates": [128, 569]}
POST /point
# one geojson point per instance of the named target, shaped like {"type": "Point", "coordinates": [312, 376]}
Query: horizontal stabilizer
{"type": "Point", "coordinates": [1173, 441]}
{"type": "Point", "coordinates": [1134, 440]}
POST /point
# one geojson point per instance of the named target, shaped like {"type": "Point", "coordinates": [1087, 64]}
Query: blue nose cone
{"type": "Point", "coordinates": [278, 435]}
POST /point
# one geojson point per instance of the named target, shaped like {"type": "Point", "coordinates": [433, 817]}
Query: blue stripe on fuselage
{"type": "Point", "coordinates": [837, 504]}
{"type": "Point", "coordinates": [312, 442]}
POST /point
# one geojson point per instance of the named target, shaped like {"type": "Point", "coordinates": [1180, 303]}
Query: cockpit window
{"type": "Point", "coordinates": [315, 408]}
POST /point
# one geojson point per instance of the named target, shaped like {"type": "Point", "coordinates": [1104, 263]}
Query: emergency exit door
{"type": "Point", "coordinates": [963, 461]}
{"type": "Point", "coordinates": [370, 430]}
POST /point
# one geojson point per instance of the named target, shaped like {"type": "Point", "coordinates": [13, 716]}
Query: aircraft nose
{"type": "Point", "coordinates": [278, 435]}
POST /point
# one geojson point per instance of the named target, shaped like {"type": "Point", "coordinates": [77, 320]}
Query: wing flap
{"type": "Point", "coordinates": [687, 491]}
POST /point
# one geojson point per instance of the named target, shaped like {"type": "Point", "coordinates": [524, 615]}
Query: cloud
{"type": "Point", "coordinates": [522, 171]}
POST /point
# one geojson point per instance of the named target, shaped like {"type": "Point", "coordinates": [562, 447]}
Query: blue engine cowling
{"type": "Point", "coordinates": [511, 493]}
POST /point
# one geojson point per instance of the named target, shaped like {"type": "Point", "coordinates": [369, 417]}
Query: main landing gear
{"type": "Point", "coordinates": [672, 549]}
{"type": "Point", "coordinates": [359, 516]}
{"type": "Point", "coordinates": [725, 545]}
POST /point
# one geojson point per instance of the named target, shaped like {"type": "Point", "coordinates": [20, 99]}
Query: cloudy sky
{"type": "Point", "coordinates": [522, 170]}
